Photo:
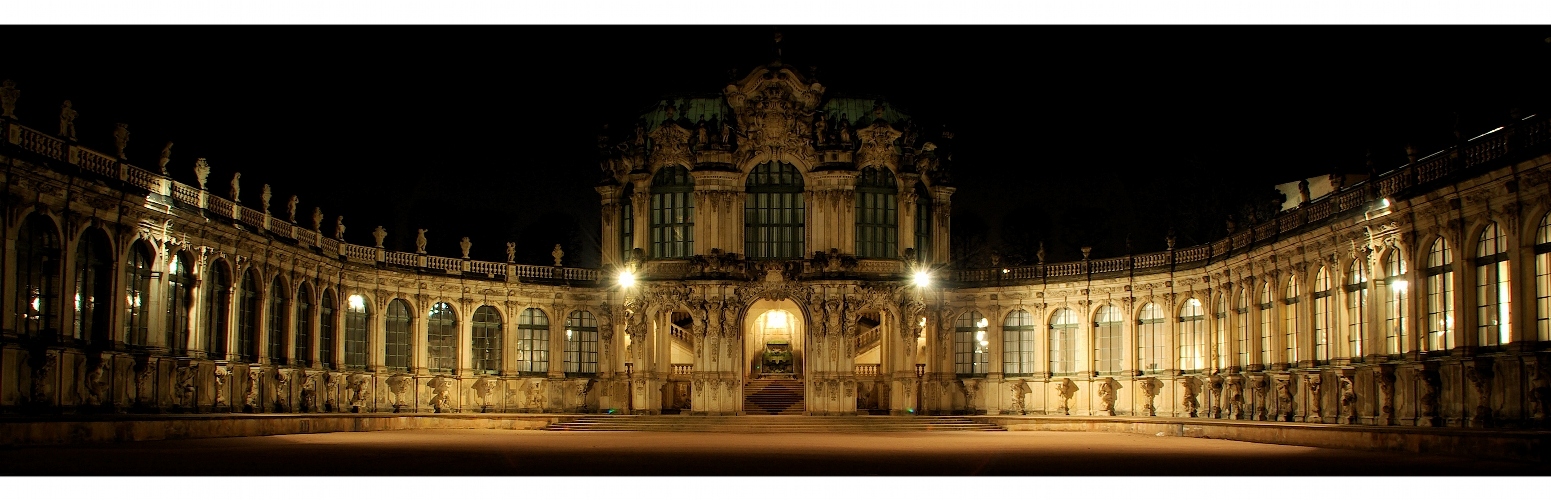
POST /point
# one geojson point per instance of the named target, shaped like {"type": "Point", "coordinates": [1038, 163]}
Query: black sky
{"type": "Point", "coordinates": [1068, 135]}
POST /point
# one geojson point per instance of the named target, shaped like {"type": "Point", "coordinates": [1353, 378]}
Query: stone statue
{"type": "Point", "coordinates": [357, 385]}
{"type": "Point", "coordinates": [264, 196]}
{"type": "Point", "coordinates": [166, 157]}
{"type": "Point", "coordinates": [1066, 389]}
{"type": "Point", "coordinates": [1108, 388]}
{"type": "Point", "coordinates": [557, 254]}
{"type": "Point", "coordinates": [282, 389]}
{"type": "Point", "coordinates": [290, 208]}
{"type": "Point", "coordinates": [1303, 191]}
{"type": "Point", "coordinates": [220, 385]}
{"type": "Point", "coordinates": [202, 172]}
{"type": "Point", "coordinates": [1150, 387]}
{"type": "Point", "coordinates": [236, 187]}
{"type": "Point", "coordinates": [845, 130]}
{"type": "Point", "coordinates": [396, 386]}
{"type": "Point", "coordinates": [820, 129]}
{"type": "Point", "coordinates": [317, 218]}
{"type": "Point", "coordinates": [726, 133]}
{"type": "Point", "coordinates": [640, 135]}
{"type": "Point", "coordinates": [1231, 225]}
{"type": "Point", "coordinates": [339, 227]}
{"type": "Point", "coordinates": [67, 120]}
{"type": "Point", "coordinates": [8, 95]}
{"type": "Point", "coordinates": [464, 244]}
{"type": "Point", "coordinates": [250, 391]}
{"type": "Point", "coordinates": [1040, 254]}
{"type": "Point", "coordinates": [380, 234]}
{"type": "Point", "coordinates": [420, 242]}
{"type": "Point", "coordinates": [121, 139]}
{"type": "Point", "coordinates": [1190, 387]}
{"type": "Point", "coordinates": [1284, 398]}
{"type": "Point", "coordinates": [1315, 401]}
{"type": "Point", "coordinates": [702, 136]}
{"type": "Point", "coordinates": [440, 401]}
{"type": "Point", "coordinates": [511, 252]}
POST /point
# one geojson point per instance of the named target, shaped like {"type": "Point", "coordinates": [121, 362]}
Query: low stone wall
{"type": "Point", "coordinates": [57, 430]}
{"type": "Point", "coordinates": [1495, 444]}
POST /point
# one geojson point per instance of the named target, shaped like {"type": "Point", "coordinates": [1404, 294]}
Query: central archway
{"type": "Point", "coordinates": [774, 360]}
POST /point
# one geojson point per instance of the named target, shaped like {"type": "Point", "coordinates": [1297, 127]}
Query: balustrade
{"type": "Point", "coordinates": [360, 253]}
{"type": "Point", "coordinates": [97, 163]}
{"type": "Point", "coordinates": [40, 143]}
{"type": "Point", "coordinates": [400, 259]}
{"type": "Point", "coordinates": [485, 267]}
{"type": "Point", "coordinates": [867, 370]}
{"type": "Point", "coordinates": [443, 263]}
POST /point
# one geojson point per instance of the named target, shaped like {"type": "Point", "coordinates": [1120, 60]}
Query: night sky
{"type": "Point", "coordinates": [1068, 135]}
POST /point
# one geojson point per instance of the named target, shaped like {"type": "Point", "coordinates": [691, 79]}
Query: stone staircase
{"type": "Point", "coordinates": [773, 397]}
{"type": "Point", "coordinates": [764, 424]}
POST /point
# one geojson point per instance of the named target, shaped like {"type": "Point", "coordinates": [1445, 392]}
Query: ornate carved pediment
{"type": "Point", "coordinates": [878, 146]}
{"type": "Point", "coordinates": [670, 145]}
{"type": "Point", "coordinates": [774, 110]}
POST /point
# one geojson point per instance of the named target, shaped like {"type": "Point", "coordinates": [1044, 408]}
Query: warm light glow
{"type": "Point", "coordinates": [1384, 202]}
{"type": "Point", "coordinates": [776, 319]}
{"type": "Point", "coordinates": [626, 279]}
{"type": "Point", "coordinates": [1400, 285]}
{"type": "Point", "coordinates": [922, 323]}
{"type": "Point", "coordinates": [922, 279]}
{"type": "Point", "coordinates": [568, 335]}
{"type": "Point", "coordinates": [982, 323]}
{"type": "Point", "coordinates": [357, 302]}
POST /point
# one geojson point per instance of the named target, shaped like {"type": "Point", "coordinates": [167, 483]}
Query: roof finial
{"type": "Point", "coordinates": [778, 44]}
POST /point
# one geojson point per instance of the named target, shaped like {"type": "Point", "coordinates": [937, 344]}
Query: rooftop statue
{"type": "Point", "coordinates": [290, 209]}
{"type": "Point", "coordinates": [67, 120]}
{"type": "Point", "coordinates": [8, 95]}
{"type": "Point", "coordinates": [166, 157]}
{"type": "Point", "coordinates": [419, 242]}
{"type": "Point", "coordinates": [511, 252]}
{"type": "Point", "coordinates": [380, 234]}
{"type": "Point", "coordinates": [557, 254]}
{"type": "Point", "coordinates": [339, 227]}
{"type": "Point", "coordinates": [464, 245]}
{"type": "Point", "coordinates": [317, 218]}
{"type": "Point", "coordinates": [236, 187]}
{"type": "Point", "coordinates": [201, 172]}
{"type": "Point", "coordinates": [264, 196]}
{"type": "Point", "coordinates": [121, 139]}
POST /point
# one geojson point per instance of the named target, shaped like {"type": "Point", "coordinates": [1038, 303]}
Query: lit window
{"type": "Point", "coordinates": [581, 343]}
{"type": "Point", "coordinates": [1063, 342]}
{"type": "Point", "coordinates": [1440, 297]}
{"type": "Point", "coordinates": [1110, 349]}
{"type": "Point", "coordinates": [442, 339]}
{"type": "Point", "coordinates": [1357, 308]}
{"type": "Point", "coordinates": [1493, 325]}
{"type": "Point", "coordinates": [1396, 287]}
{"type": "Point", "coordinates": [773, 219]}
{"type": "Point", "coordinates": [1192, 336]}
{"type": "Point", "coordinates": [358, 318]}
{"type": "Point", "coordinates": [532, 341]}
{"type": "Point", "coordinates": [1150, 343]}
{"type": "Point", "coordinates": [673, 213]}
{"type": "Point", "coordinates": [487, 340]}
{"type": "Point", "coordinates": [970, 353]}
{"type": "Point", "coordinates": [877, 225]}
{"type": "Point", "coordinates": [1018, 337]}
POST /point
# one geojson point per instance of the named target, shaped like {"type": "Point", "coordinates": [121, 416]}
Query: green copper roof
{"type": "Point", "coordinates": [859, 110]}
{"type": "Point", "coordinates": [688, 107]}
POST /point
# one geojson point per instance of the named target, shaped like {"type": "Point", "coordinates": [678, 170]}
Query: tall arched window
{"type": "Point", "coordinates": [218, 307]}
{"type": "Point", "coordinates": [328, 319]}
{"type": "Point", "coordinates": [673, 213]}
{"type": "Point", "coordinates": [532, 341]}
{"type": "Point", "coordinates": [581, 344]}
{"type": "Point", "coordinates": [1543, 279]}
{"type": "Point", "coordinates": [923, 223]}
{"type": "Point", "coordinates": [396, 353]}
{"type": "Point", "coordinates": [970, 355]}
{"type": "Point", "coordinates": [358, 320]}
{"type": "Point", "coordinates": [303, 356]}
{"type": "Point", "coordinates": [248, 317]}
{"type": "Point", "coordinates": [1018, 338]}
{"type": "Point", "coordinates": [137, 295]}
{"type": "Point", "coordinates": [626, 222]}
{"type": "Point", "coordinates": [1322, 315]}
{"type": "Point", "coordinates": [1265, 324]}
{"type": "Point", "coordinates": [1109, 350]}
{"type": "Point", "coordinates": [1192, 336]}
{"type": "Point", "coordinates": [1493, 321]}
{"type": "Point", "coordinates": [1357, 308]}
{"type": "Point", "coordinates": [1241, 344]}
{"type": "Point", "coordinates": [1150, 344]}
{"type": "Point", "coordinates": [93, 287]}
{"type": "Point", "coordinates": [1220, 337]}
{"type": "Point", "coordinates": [1290, 319]}
{"type": "Point", "coordinates": [486, 338]}
{"type": "Point", "coordinates": [180, 296]}
{"type": "Point", "coordinates": [1395, 302]}
{"type": "Point", "coordinates": [441, 339]}
{"type": "Point", "coordinates": [1063, 342]}
{"type": "Point", "coordinates": [773, 213]}
{"type": "Point", "coordinates": [38, 257]}
{"type": "Point", "coordinates": [279, 307]}
{"type": "Point", "coordinates": [877, 220]}
{"type": "Point", "coordinates": [1440, 297]}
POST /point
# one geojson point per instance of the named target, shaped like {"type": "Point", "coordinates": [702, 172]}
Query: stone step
{"type": "Point", "coordinates": [772, 424]}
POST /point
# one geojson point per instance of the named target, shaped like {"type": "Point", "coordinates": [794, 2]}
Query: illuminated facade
{"type": "Point", "coordinates": [772, 249]}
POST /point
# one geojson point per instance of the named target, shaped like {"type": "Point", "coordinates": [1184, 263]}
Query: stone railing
{"type": "Point", "coordinates": [185, 194]}
{"type": "Point", "coordinates": [360, 253]}
{"type": "Point", "coordinates": [1533, 133]}
{"type": "Point", "coordinates": [401, 259]}
{"type": "Point", "coordinates": [683, 368]}
{"type": "Point", "coordinates": [38, 142]}
{"type": "Point", "coordinates": [867, 370]}
{"type": "Point", "coordinates": [880, 266]}
{"type": "Point", "coordinates": [94, 162]}
{"type": "Point", "coordinates": [488, 268]}
{"type": "Point", "coordinates": [443, 263]}
{"type": "Point", "coordinates": [681, 335]}
{"type": "Point", "coordinates": [867, 339]}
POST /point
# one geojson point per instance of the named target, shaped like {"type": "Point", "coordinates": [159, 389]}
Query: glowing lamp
{"type": "Point", "coordinates": [1400, 285]}
{"type": "Point", "coordinates": [626, 279]}
{"type": "Point", "coordinates": [922, 279]}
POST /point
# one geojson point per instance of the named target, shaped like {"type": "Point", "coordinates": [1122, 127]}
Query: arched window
{"type": "Point", "coordinates": [93, 287]}
{"type": "Point", "coordinates": [877, 223]}
{"type": "Point", "coordinates": [1395, 302]}
{"type": "Point", "coordinates": [218, 307]}
{"type": "Point", "coordinates": [1063, 342]}
{"type": "Point", "coordinates": [37, 273]}
{"type": "Point", "coordinates": [328, 320]}
{"type": "Point", "coordinates": [279, 307]}
{"type": "Point", "coordinates": [532, 341]}
{"type": "Point", "coordinates": [773, 213]}
{"type": "Point", "coordinates": [1192, 336]}
{"type": "Point", "coordinates": [970, 355]}
{"type": "Point", "coordinates": [923, 223]}
{"type": "Point", "coordinates": [673, 213]}
{"type": "Point", "coordinates": [1322, 315]}
{"type": "Point", "coordinates": [1290, 319]}
{"type": "Point", "coordinates": [1440, 297]}
{"type": "Point", "coordinates": [1265, 324]}
{"type": "Point", "coordinates": [1150, 344]}
{"type": "Point", "coordinates": [1493, 324]}
{"type": "Point", "coordinates": [137, 295]}
{"type": "Point", "coordinates": [1543, 279]}
{"type": "Point", "coordinates": [1220, 339]}
{"type": "Point", "coordinates": [441, 337]}
{"type": "Point", "coordinates": [1357, 308]}
{"type": "Point", "coordinates": [1109, 349]}
{"type": "Point", "coordinates": [581, 344]}
{"type": "Point", "coordinates": [1018, 338]}
{"type": "Point", "coordinates": [626, 222]}
{"type": "Point", "coordinates": [396, 353]}
{"type": "Point", "coordinates": [180, 296]}
{"type": "Point", "coordinates": [248, 317]}
{"type": "Point", "coordinates": [303, 356]}
{"type": "Point", "coordinates": [1241, 344]}
{"type": "Point", "coordinates": [358, 320]}
{"type": "Point", "coordinates": [486, 339]}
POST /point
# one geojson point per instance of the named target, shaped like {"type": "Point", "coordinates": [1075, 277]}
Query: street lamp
{"type": "Point", "coordinates": [626, 279]}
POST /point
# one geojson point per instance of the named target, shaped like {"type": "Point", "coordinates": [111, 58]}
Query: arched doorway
{"type": "Point", "coordinates": [774, 333]}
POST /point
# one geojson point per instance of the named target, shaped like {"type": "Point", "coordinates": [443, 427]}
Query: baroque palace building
{"type": "Point", "coordinates": [769, 248]}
